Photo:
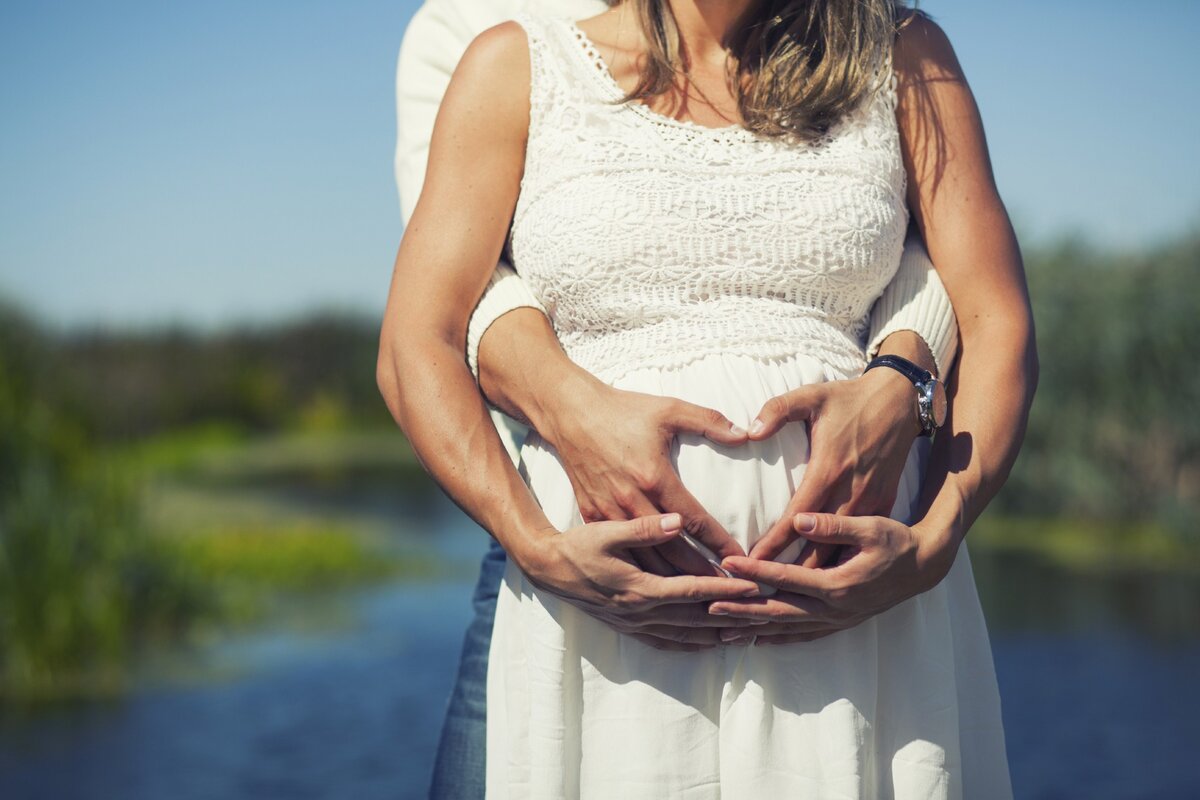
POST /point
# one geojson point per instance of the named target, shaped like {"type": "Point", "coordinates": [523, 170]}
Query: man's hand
{"type": "Point", "coordinates": [860, 432]}
{"type": "Point", "coordinates": [883, 562]}
{"type": "Point", "coordinates": [592, 568]}
{"type": "Point", "coordinates": [616, 446]}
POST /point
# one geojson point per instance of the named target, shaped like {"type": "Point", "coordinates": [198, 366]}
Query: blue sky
{"type": "Point", "coordinates": [231, 161]}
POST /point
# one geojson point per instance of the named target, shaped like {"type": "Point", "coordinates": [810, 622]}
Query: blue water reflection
{"type": "Point", "coordinates": [343, 698]}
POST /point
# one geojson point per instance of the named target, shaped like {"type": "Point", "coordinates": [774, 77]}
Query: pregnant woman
{"type": "Point", "coordinates": [726, 265]}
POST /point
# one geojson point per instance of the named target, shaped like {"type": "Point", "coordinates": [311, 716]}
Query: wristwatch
{"type": "Point", "coordinates": [931, 395]}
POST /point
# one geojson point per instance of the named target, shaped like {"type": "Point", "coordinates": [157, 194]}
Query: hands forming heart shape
{"type": "Point", "coordinates": [631, 565]}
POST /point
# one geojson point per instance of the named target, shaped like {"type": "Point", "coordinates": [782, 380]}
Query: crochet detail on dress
{"type": "Point", "coordinates": [653, 241]}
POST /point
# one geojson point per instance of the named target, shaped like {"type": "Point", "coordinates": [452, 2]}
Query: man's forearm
{"type": "Point", "coordinates": [523, 370]}
{"type": "Point", "coordinates": [907, 344]}
{"type": "Point", "coordinates": [915, 301]}
{"type": "Point", "coordinates": [521, 367]}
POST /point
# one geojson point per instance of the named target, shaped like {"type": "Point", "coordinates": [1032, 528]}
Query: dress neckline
{"type": "Point", "coordinates": [603, 77]}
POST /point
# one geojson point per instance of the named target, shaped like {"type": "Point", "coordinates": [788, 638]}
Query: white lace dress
{"type": "Point", "coordinates": [722, 268]}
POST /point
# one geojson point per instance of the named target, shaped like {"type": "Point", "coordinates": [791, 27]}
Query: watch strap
{"type": "Point", "coordinates": [920, 378]}
{"type": "Point", "coordinates": [902, 365]}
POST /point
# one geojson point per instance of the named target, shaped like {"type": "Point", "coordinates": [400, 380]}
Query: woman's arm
{"type": "Point", "coordinates": [954, 200]}
{"type": "Point", "coordinates": [445, 258]}
{"type": "Point", "coordinates": [434, 40]}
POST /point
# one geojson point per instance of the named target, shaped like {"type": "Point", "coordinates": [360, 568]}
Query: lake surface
{"type": "Point", "coordinates": [341, 696]}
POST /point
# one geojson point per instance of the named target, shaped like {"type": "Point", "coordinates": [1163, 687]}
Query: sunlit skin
{"type": "Point", "coordinates": [859, 437]}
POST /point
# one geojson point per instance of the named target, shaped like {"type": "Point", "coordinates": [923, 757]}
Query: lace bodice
{"type": "Point", "coordinates": [652, 241]}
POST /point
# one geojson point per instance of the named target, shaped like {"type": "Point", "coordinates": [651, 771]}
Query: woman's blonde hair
{"type": "Point", "coordinates": [800, 65]}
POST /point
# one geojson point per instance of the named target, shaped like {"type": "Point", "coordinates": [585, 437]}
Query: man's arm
{"type": "Point", "coordinates": [916, 301]}
{"type": "Point", "coordinates": [615, 445]}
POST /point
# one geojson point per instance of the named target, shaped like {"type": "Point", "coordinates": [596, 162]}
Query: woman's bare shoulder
{"type": "Point", "coordinates": [923, 49]}
{"type": "Point", "coordinates": [477, 149]}
{"type": "Point", "coordinates": [505, 44]}
{"type": "Point", "coordinates": [493, 76]}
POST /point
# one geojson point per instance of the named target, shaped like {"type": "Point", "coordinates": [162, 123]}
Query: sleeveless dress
{"type": "Point", "coordinates": [723, 268]}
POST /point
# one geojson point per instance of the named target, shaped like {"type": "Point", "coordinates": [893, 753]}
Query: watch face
{"type": "Point", "coordinates": [938, 404]}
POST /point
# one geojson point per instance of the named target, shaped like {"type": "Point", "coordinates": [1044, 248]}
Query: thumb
{"type": "Point", "coordinates": [709, 422]}
{"type": "Point", "coordinates": [797, 405]}
{"type": "Point", "coordinates": [833, 528]}
{"type": "Point", "coordinates": [645, 531]}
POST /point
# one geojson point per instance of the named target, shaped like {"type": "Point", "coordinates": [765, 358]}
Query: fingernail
{"type": "Point", "coordinates": [720, 612]}
{"type": "Point", "coordinates": [751, 592]}
{"type": "Point", "coordinates": [805, 522]}
{"type": "Point", "coordinates": [671, 522]}
{"type": "Point", "coordinates": [756, 426]}
{"type": "Point", "coordinates": [736, 431]}
{"type": "Point", "coordinates": [760, 621]}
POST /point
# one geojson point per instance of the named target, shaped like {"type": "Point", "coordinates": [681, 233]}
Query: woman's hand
{"type": "Point", "coordinates": [860, 432]}
{"type": "Point", "coordinates": [615, 447]}
{"type": "Point", "coordinates": [592, 567]}
{"type": "Point", "coordinates": [883, 562]}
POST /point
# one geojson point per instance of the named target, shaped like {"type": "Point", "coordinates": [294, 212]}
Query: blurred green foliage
{"type": "Point", "coordinates": [1114, 435]}
{"type": "Point", "coordinates": [84, 579]}
{"type": "Point", "coordinates": [78, 574]}
{"type": "Point", "coordinates": [315, 373]}
{"type": "Point", "coordinates": [148, 480]}
{"type": "Point", "coordinates": [1090, 546]}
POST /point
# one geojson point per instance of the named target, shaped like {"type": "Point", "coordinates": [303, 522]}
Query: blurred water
{"type": "Point", "coordinates": [345, 714]}
{"type": "Point", "coordinates": [343, 696]}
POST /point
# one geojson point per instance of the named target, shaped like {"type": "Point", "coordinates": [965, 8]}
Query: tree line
{"type": "Point", "coordinates": [1114, 432]}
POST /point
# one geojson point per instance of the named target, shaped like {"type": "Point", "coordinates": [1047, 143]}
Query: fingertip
{"type": "Point", "coordinates": [671, 522]}
{"type": "Point", "coordinates": [726, 432]}
{"type": "Point", "coordinates": [766, 554]}
{"type": "Point", "coordinates": [733, 563]}
{"type": "Point", "coordinates": [765, 549]}
{"type": "Point", "coordinates": [804, 523]}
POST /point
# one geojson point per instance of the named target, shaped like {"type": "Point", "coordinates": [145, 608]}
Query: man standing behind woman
{"type": "Point", "coordinates": [912, 319]}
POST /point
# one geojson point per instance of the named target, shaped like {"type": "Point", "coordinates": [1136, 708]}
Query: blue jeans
{"type": "Point", "coordinates": [458, 770]}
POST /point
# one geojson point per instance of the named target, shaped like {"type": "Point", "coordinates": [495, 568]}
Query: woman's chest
{"type": "Point", "coordinates": [637, 212]}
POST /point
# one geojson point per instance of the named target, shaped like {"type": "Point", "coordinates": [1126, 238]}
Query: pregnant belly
{"type": "Point", "coordinates": [745, 488]}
